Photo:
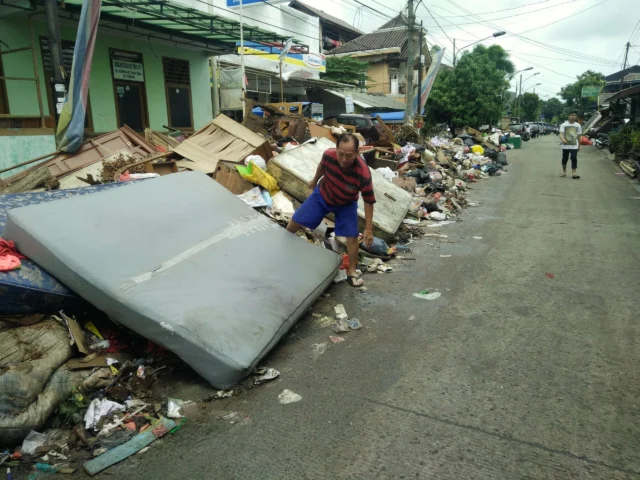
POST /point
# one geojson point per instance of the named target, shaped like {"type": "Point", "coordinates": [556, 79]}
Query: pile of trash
{"type": "Point", "coordinates": [77, 387]}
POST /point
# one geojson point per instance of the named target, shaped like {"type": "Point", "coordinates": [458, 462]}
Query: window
{"type": "Point", "coordinates": [345, 121]}
{"type": "Point", "coordinates": [67, 63]}
{"type": "Point", "coordinates": [361, 122]}
{"type": "Point", "coordinates": [4, 101]}
{"type": "Point", "coordinates": [177, 80]}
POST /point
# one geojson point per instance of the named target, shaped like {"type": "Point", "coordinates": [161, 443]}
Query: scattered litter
{"type": "Point", "coordinates": [175, 406]}
{"type": "Point", "coordinates": [438, 216]}
{"type": "Point", "coordinates": [287, 396]}
{"type": "Point", "coordinates": [354, 324]}
{"type": "Point", "coordinates": [477, 238]}
{"type": "Point", "coordinates": [323, 320]}
{"type": "Point", "coordinates": [436, 235]}
{"type": "Point", "coordinates": [550, 275]}
{"type": "Point", "coordinates": [445, 256]}
{"type": "Point", "coordinates": [412, 318]}
{"type": "Point", "coordinates": [473, 204]}
{"type": "Point", "coordinates": [100, 408]}
{"type": "Point", "coordinates": [144, 450]}
{"type": "Point", "coordinates": [319, 349]}
{"type": "Point", "coordinates": [232, 417]}
{"type": "Point", "coordinates": [223, 394]}
{"type": "Point", "coordinates": [253, 198]}
{"type": "Point", "coordinates": [384, 269]}
{"type": "Point", "coordinates": [425, 295]}
{"type": "Point", "coordinates": [340, 277]}
{"type": "Point", "coordinates": [266, 375]}
{"type": "Point", "coordinates": [341, 326]}
{"type": "Point", "coordinates": [341, 313]}
{"type": "Point", "coordinates": [363, 289]}
{"type": "Point", "coordinates": [32, 441]}
{"type": "Point", "coordinates": [336, 339]}
{"type": "Point", "coordinates": [411, 221]}
{"type": "Point", "coordinates": [441, 224]}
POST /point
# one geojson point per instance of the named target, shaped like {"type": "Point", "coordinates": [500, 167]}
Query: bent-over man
{"type": "Point", "coordinates": [344, 176]}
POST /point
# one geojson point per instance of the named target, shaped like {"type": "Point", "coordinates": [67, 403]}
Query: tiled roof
{"type": "Point", "coordinates": [326, 16]}
{"type": "Point", "coordinates": [373, 41]}
{"type": "Point", "coordinates": [615, 77]}
{"type": "Point", "coordinates": [398, 21]}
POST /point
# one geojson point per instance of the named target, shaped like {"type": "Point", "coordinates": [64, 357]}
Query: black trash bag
{"type": "Point", "coordinates": [490, 153]}
{"type": "Point", "coordinates": [502, 159]}
{"type": "Point", "coordinates": [469, 142]}
{"type": "Point", "coordinates": [378, 247]}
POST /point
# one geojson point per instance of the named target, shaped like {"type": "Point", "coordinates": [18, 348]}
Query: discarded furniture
{"type": "Point", "coordinates": [206, 277]}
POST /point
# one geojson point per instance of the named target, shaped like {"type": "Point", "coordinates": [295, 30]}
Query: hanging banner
{"type": "Point", "coordinates": [427, 83]}
{"type": "Point", "coordinates": [70, 131]}
{"type": "Point", "coordinates": [285, 49]}
{"type": "Point", "coordinates": [266, 54]}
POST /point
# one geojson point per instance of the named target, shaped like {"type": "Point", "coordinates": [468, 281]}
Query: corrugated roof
{"type": "Point", "coordinates": [628, 92]}
{"type": "Point", "coordinates": [373, 41]}
{"type": "Point", "coordinates": [615, 77]}
{"type": "Point", "coordinates": [325, 16]}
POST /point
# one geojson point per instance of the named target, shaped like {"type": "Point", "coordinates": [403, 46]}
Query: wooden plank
{"type": "Point", "coordinates": [390, 136]}
{"type": "Point", "coordinates": [34, 179]}
{"type": "Point", "coordinates": [76, 333]}
{"type": "Point", "coordinates": [227, 175]}
{"type": "Point", "coordinates": [129, 448]}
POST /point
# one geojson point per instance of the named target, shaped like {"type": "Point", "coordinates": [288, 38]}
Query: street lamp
{"type": "Point", "coordinates": [532, 86]}
{"type": "Point", "coordinates": [495, 34]}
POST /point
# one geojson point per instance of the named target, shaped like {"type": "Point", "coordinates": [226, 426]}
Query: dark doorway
{"type": "Point", "coordinates": [130, 102]}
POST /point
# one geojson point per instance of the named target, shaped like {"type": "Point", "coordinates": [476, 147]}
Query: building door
{"type": "Point", "coordinates": [130, 101]}
{"type": "Point", "coordinates": [129, 89]}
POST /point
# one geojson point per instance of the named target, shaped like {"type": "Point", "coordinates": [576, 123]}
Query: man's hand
{"type": "Point", "coordinates": [312, 184]}
{"type": "Point", "coordinates": [367, 237]}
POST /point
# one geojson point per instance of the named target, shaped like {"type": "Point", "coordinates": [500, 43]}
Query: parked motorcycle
{"type": "Point", "coordinates": [601, 141]}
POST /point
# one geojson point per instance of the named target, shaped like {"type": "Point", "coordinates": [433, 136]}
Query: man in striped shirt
{"type": "Point", "coordinates": [344, 176]}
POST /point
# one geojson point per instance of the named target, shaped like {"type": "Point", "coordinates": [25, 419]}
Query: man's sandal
{"type": "Point", "coordinates": [576, 177]}
{"type": "Point", "coordinates": [352, 280]}
{"type": "Point", "coordinates": [563, 175]}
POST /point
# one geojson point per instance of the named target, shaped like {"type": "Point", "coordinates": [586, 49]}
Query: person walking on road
{"type": "Point", "coordinates": [344, 176]}
{"type": "Point", "coordinates": [570, 132]}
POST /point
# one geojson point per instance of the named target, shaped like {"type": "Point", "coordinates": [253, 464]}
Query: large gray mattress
{"type": "Point", "coordinates": [183, 262]}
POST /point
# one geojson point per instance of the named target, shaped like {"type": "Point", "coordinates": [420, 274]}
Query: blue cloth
{"type": "Point", "coordinates": [314, 209]}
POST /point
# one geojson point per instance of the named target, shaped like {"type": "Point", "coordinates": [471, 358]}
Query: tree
{"type": "Point", "coordinates": [346, 70]}
{"type": "Point", "coordinates": [473, 92]}
{"type": "Point", "coordinates": [552, 108]}
{"type": "Point", "coordinates": [531, 106]}
{"type": "Point", "coordinates": [572, 93]}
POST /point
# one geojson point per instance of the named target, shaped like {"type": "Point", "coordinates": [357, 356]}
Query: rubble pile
{"type": "Point", "coordinates": [81, 393]}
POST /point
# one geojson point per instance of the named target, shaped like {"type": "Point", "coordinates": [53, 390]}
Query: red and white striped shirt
{"type": "Point", "coordinates": [341, 187]}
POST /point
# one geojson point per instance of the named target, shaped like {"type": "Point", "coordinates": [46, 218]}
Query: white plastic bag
{"type": "Point", "coordinates": [257, 160]}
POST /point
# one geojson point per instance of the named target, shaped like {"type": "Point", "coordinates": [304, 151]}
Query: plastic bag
{"type": "Point", "coordinates": [257, 160]}
{"type": "Point", "coordinates": [378, 247]}
{"type": "Point", "coordinates": [257, 176]}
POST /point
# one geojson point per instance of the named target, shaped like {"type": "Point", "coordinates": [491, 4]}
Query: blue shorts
{"type": "Point", "coordinates": [314, 209]}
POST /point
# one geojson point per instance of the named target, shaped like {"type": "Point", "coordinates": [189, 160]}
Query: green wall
{"type": "Point", "coordinates": [14, 31]}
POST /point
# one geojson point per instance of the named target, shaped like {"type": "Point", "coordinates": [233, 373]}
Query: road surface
{"type": "Point", "coordinates": [510, 374]}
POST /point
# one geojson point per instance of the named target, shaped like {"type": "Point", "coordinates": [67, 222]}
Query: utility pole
{"type": "Point", "coordinates": [55, 48]}
{"type": "Point", "coordinates": [420, 71]}
{"type": "Point", "coordinates": [520, 99]}
{"type": "Point", "coordinates": [408, 111]}
{"type": "Point", "coordinates": [626, 55]}
{"type": "Point", "coordinates": [454, 52]}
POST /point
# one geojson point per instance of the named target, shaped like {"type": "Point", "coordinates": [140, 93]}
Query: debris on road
{"type": "Point", "coordinates": [265, 375]}
{"type": "Point", "coordinates": [287, 396]}
{"type": "Point", "coordinates": [336, 339]}
{"type": "Point", "coordinates": [426, 295]}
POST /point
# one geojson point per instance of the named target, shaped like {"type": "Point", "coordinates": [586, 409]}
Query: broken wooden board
{"type": "Point", "coordinates": [221, 139]}
{"type": "Point", "coordinates": [442, 158]}
{"type": "Point", "coordinates": [76, 333]}
{"type": "Point", "coordinates": [34, 179]}
{"type": "Point", "coordinates": [129, 448]}
{"type": "Point", "coordinates": [294, 170]}
{"type": "Point", "coordinates": [96, 361]}
{"type": "Point", "coordinates": [227, 176]}
{"type": "Point", "coordinates": [320, 131]}
{"type": "Point", "coordinates": [162, 140]}
{"type": "Point", "coordinates": [390, 137]}
{"type": "Point", "coordinates": [91, 151]}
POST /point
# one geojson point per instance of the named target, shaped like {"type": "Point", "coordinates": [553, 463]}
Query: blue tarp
{"type": "Point", "coordinates": [258, 111]}
{"type": "Point", "coordinates": [390, 116]}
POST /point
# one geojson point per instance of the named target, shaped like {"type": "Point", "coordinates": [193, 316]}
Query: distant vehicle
{"type": "Point", "coordinates": [365, 125]}
{"type": "Point", "coordinates": [518, 128]}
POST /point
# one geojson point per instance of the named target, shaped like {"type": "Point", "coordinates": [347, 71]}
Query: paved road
{"type": "Point", "coordinates": [509, 375]}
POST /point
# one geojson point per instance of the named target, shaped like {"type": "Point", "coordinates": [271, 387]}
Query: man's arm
{"type": "Point", "coordinates": [319, 173]}
{"type": "Point", "coordinates": [562, 139]}
{"type": "Point", "coordinates": [367, 236]}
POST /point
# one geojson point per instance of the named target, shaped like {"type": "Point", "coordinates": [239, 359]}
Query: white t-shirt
{"type": "Point", "coordinates": [571, 132]}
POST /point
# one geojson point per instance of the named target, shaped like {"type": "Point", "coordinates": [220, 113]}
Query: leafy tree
{"type": "Point", "coordinates": [552, 108]}
{"type": "Point", "coordinates": [572, 93]}
{"type": "Point", "coordinates": [345, 70]}
{"type": "Point", "coordinates": [531, 106]}
{"type": "Point", "coordinates": [473, 92]}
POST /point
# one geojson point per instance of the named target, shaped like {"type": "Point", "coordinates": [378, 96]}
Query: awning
{"type": "Point", "coordinates": [180, 24]}
{"type": "Point", "coordinates": [368, 101]}
{"type": "Point", "coordinates": [627, 92]}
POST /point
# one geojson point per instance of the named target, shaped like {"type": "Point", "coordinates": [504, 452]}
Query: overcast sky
{"type": "Point", "coordinates": [593, 39]}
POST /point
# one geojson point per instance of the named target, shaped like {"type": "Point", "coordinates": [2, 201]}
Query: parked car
{"type": "Point", "coordinates": [365, 125]}
{"type": "Point", "coordinates": [518, 128]}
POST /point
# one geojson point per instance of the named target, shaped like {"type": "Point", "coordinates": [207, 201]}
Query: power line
{"type": "Point", "coordinates": [370, 8]}
{"type": "Point", "coordinates": [634, 33]}
{"type": "Point", "coordinates": [553, 48]}
{"type": "Point", "coordinates": [545, 68]}
{"type": "Point", "coordinates": [427, 9]}
{"type": "Point", "coordinates": [562, 19]}
{"type": "Point", "coordinates": [607, 64]}
{"type": "Point", "coordinates": [503, 10]}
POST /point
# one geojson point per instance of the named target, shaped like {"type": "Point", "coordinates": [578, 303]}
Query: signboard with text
{"type": "Point", "coordinates": [130, 71]}
{"type": "Point", "coordinates": [591, 91]}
